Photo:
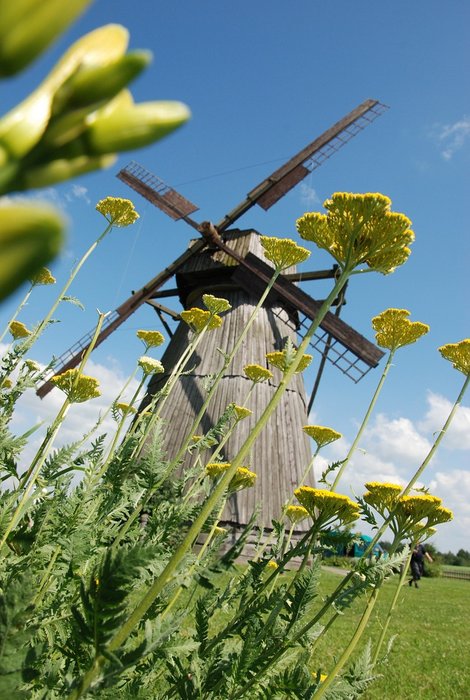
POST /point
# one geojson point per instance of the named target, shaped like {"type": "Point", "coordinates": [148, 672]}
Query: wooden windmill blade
{"type": "Point", "coordinates": [270, 190]}
{"type": "Point", "coordinates": [178, 207]}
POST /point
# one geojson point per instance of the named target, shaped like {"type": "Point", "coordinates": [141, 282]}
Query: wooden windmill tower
{"type": "Point", "coordinates": [229, 262]}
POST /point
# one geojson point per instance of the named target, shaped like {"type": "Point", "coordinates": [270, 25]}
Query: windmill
{"type": "Point", "coordinates": [228, 262]}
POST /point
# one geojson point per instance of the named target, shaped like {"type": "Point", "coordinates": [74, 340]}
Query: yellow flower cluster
{"type": "Point", "coordinates": [77, 387]}
{"type": "Point", "coordinates": [216, 305]}
{"type": "Point", "coordinates": [117, 211]}
{"type": "Point", "coordinates": [149, 365]}
{"type": "Point", "coordinates": [296, 513]}
{"type": "Point", "coordinates": [280, 360]}
{"type": "Point", "coordinates": [198, 319]}
{"type": "Point", "coordinates": [323, 505]}
{"type": "Point", "coordinates": [321, 434]}
{"type": "Point", "coordinates": [257, 373]}
{"type": "Point", "coordinates": [18, 330]}
{"type": "Point", "coordinates": [242, 479]}
{"type": "Point", "coordinates": [241, 412]}
{"type": "Point", "coordinates": [412, 515]}
{"type": "Point", "coordinates": [272, 565]}
{"type": "Point", "coordinates": [283, 252]}
{"type": "Point", "coordinates": [151, 339]}
{"type": "Point", "coordinates": [458, 354]}
{"type": "Point", "coordinates": [413, 509]}
{"type": "Point", "coordinates": [358, 229]}
{"type": "Point", "coordinates": [215, 469]}
{"type": "Point", "coordinates": [394, 329]}
{"type": "Point", "coordinates": [43, 276]}
{"type": "Point", "coordinates": [382, 495]}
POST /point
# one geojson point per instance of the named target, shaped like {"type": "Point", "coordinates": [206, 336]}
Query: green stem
{"type": "Point", "coordinates": [18, 309]}
{"type": "Point", "coordinates": [29, 478]}
{"type": "Point", "coordinates": [399, 586]}
{"type": "Point", "coordinates": [43, 324]}
{"type": "Point", "coordinates": [35, 468]}
{"type": "Point", "coordinates": [226, 364]}
{"type": "Point", "coordinates": [190, 537]}
{"type": "Point", "coordinates": [198, 559]}
{"type": "Point", "coordinates": [365, 420]}
{"type": "Point", "coordinates": [323, 687]}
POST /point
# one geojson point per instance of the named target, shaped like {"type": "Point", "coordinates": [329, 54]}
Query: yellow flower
{"type": "Point", "coordinates": [360, 228]}
{"type": "Point", "coordinates": [196, 438]}
{"type": "Point", "coordinates": [242, 479]}
{"type": "Point", "coordinates": [216, 305]}
{"type": "Point", "coordinates": [272, 565]}
{"type": "Point", "coordinates": [198, 319]}
{"type": "Point", "coordinates": [322, 435]}
{"type": "Point", "coordinates": [283, 252]}
{"type": "Point", "coordinates": [458, 354]}
{"type": "Point", "coordinates": [257, 373]}
{"type": "Point", "coordinates": [324, 505]}
{"type": "Point", "coordinates": [296, 513]}
{"type": "Point", "coordinates": [241, 412]}
{"type": "Point", "coordinates": [382, 494]}
{"type": "Point", "coordinates": [118, 211]}
{"type": "Point", "coordinates": [219, 531]}
{"type": "Point", "coordinates": [125, 408]}
{"type": "Point", "coordinates": [440, 515]}
{"type": "Point", "coordinates": [151, 339]}
{"type": "Point", "coordinates": [6, 384]}
{"type": "Point", "coordinates": [215, 469]}
{"type": "Point", "coordinates": [77, 387]}
{"type": "Point", "coordinates": [18, 330]}
{"type": "Point", "coordinates": [280, 360]}
{"type": "Point", "coordinates": [43, 276]}
{"type": "Point", "coordinates": [149, 365]}
{"type": "Point", "coordinates": [394, 329]}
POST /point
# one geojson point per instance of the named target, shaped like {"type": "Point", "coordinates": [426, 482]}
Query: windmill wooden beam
{"type": "Point", "coordinates": [265, 194]}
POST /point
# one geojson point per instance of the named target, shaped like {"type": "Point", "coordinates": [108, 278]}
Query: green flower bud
{"type": "Point", "coordinates": [135, 126]}
{"type": "Point", "coordinates": [64, 169]}
{"type": "Point", "coordinates": [27, 27]}
{"type": "Point", "coordinates": [96, 83]}
{"type": "Point", "coordinates": [22, 128]}
{"type": "Point", "coordinates": [30, 236]}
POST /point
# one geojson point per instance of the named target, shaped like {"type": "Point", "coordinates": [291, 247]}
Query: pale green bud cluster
{"type": "Point", "coordinates": [82, 114]}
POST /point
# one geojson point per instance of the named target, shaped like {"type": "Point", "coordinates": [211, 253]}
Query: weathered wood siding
{"type": "Point", "coordinates": [282, 451]}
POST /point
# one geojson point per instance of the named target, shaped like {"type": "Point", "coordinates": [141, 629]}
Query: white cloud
{"type": "Point", "coordinates": [31, 410]}
{"type": "Point", "coordinates": [78, 192]}
{"type": "Point", "coordinates": [392, 449]}
{"type": "Point", "coordinates": [458, 435]}
{"type": "Point", "coordinates": [452, 137]}
{"type": "Point", "coordinates": [308, 195]}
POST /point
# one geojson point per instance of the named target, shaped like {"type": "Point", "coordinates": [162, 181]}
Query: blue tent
{"type": "Point", "coordinates": [361, 545]}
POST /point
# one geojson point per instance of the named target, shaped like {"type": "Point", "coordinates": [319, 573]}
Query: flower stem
{"type": "Point", "coordinates": [365, 421]}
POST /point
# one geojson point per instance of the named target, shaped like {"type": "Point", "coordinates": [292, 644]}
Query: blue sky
{"type": "Point", "coordinates": [262, 79]}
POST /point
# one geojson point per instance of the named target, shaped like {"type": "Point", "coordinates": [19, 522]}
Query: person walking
{"type": "Point", "coordinates": [418, 556]}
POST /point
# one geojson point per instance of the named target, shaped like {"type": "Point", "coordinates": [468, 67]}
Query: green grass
{"type": "Point", "coordinates": [430, 657]}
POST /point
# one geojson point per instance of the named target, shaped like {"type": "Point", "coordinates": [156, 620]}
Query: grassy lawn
{"type": "Point", "coordinates": [431, 655]}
